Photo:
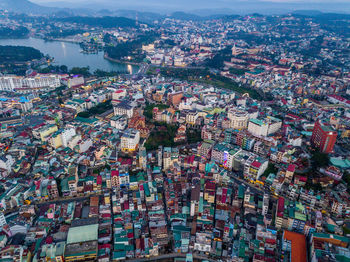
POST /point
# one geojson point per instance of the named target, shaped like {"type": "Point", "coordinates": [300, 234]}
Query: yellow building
{"type": "Point", "coordinates": [45, 131]}
{"type": "Point", "coordinates": [56, 140]}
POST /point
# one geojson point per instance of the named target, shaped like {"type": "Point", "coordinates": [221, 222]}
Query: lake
{"type": "Point", "coordinates": [69, 54]}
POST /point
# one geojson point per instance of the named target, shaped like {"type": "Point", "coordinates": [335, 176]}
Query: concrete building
{"type": "Point", "coordinates": [73, 81]}
{"type": "Point", "coordinates": [85, 145]}
{"type": "Point", "coordinates": [323, 137]}
{"type": "Point", "coordinates": [82, 244]}
{"type": "Point", "coordinates": [67, 136]}
{"type": "Point", "coordinates": [6, 162]}
{"type": "Point", "coordinates": [258, 127]}
{"type": "Point", "coordinates": [238, 119]}
{"type": "Point", "coordinates": [119, 121]}
{"type": "Point", "coordinates": [39, 82]}
{"type": "Point", "coordinates": [130, 140]}
{"type": "Point", "coordinates": [124, 108]}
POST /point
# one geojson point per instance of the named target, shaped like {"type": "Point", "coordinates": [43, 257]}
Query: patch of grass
{"type": "Point", "coordinates": [162, 135]}
{"type": "Point", "coordinates": [148, 112]}
{"type": "Point", "coordinates": [97, 110]}
{"type": "Point", "coordinates": [205, 77]}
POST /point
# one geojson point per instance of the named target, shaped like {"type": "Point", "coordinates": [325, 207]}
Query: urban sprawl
{"type": "Point", "coordinates": [231, 143]}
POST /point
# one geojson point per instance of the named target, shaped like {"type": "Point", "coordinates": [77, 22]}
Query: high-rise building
{"type": "Point", "coordinates": [323, 137]}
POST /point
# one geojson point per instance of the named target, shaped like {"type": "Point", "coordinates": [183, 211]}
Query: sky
{"type": "Point", "coordinates": [186, 5]}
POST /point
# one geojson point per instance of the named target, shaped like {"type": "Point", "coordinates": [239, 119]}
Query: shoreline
{"type": "Point", "coordinates": [105, 56]}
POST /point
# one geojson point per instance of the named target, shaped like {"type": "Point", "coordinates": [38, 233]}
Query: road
{"type": "Point", "coordinates": [171, 256]}
{"type": "Point", "coordinates": [143, 69]}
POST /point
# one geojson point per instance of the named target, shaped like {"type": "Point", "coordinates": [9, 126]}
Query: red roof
{"type": "Point", "coordinates": [291, 168]}
{"type": "Point", "coordinates": [114, 173]}
{"type": "Point", "coordinates": [298, 246]}
{"type": "Point", "coordinates": [256, 164]}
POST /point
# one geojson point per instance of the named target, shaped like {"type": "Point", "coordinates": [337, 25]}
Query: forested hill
{"type": "Point", "coordinates": [105, 22]}
{"type": "Point", "coordinates": [19, 32]}
{"type": "Point", "coordinates": [10, 54]}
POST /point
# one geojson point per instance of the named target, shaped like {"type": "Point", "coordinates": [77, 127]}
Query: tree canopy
{"type": "Point", "coordinates": [11, 54]}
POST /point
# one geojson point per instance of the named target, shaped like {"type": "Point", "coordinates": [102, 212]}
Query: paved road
{"type": "Point", "coordinates": [65, 200]}
{"type": "Point", "coordinates": [172, 256]}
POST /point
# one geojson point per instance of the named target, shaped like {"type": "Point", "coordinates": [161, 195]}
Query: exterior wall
{"type": "Point", "coordinates": [324, 140]}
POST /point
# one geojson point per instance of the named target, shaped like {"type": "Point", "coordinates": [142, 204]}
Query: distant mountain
{"type": "Point", "coordinates": [307, 12]}
{"type": "Point", "coordinates": [28, 7]}
{"type": "Point", "coordinates": [146, 17]}
{"type": "Point", "coordinates": [185, 16]}
{"type": "Point", "coordinates": [25, 6]}
{"type": "Point", "coordinates": [105, 21]}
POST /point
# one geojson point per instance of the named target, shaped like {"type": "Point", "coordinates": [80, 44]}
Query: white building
{"type": "Point", "coordinates": [238, 119]}
{"type": "Point", "coordinates": [2, 219]}
{"type": "Point", "coordinates": [275, 124]}
{"type": "Point", "coordinates": [119, 94]}
{"type": "Point", "coordinates": [130, 140]}
{"type": "Point", "coordinates": [258, 127]}
{"type": "Point", "coordinates": [10, 83]}
{"type": "Point", "coordinates": [6, 162]}
{"type": "Point", "coordinates": [119, 122]}
{"type": "Point", "coordinates": [85, 145]}
{"type": "Point", "coordinates": [67, 136]}
{"type": "Point", "coordinates": [39, 82]}
{"type": "Point", "coordinates": [73, 81]}
{"type": "Point", "coordinates": [74, 141]}
{"type": "Point", "coordinates": [191, 117]}
{"type": "Point", "coordinates": [265, 127]}
{"type": "Point", "coordinates": [124, 108]}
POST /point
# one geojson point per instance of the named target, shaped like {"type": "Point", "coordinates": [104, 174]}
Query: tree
{"type": "Point", "coordinates": [270, 169]}
{"type": "Point", "coordinates": [63, 69]}
{"type": "Point", "coordinates": [12, 54]}
{"type": "Point", "coordinates": [319, 159]}
{"type": "Point", "coordinates": [80, 71]}
{"type": "Point", "coordinates": [346, 178]}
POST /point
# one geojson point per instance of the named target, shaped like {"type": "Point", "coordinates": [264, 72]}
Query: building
{"type": "Point", "coordinates": [238, 119]}
{"type": "Point", "coordinates": [264, 127]}
{"type": "Point", "coordinates": [191, 117]}
{"type": "Point", "coordinates": [130, 140]}
{"type": "Point", "coordinates": [82, 244]}
{"type": "Point", "coordinates": [10, 83]}
{"type": "Point", "coordinates": [323, 137]}
{"type": "Point", "coordinates": [6, 162]}
{"type": "Point", "coordinates": [84, 145]}
{"type": "Point", "coordinates": [294, 246]}
{"type": "Point", "coordinates": [44, 132]}
{"type": "Point", "coordinates": [175, 98]}
{"type": "Point", "coordinates": [39, 82]}
{"type": "Point", "coordinates": [275, 124]}
{"type": "Point", "coordinates": [258, 127]}
{"type": "Point", "coordinates": [142, 158]}
{"type": "Point", "coordinates": [328, 246]}
{"type": "Point", "coordinates": [124, 108]}
{"type": "Point", "coordinates": [67, 136]}
{"type": "Point", "coordinates": [56, 140]}
{"type": "Point", "coordinates": [119, 122]}
{"type": "Point", "coordinates": [73, 81]}
{"type": "Point", "coordinates": [2, 220]}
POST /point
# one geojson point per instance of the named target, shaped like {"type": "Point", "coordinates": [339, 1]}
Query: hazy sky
{"type": "Point", "coordinates": [228, 1]}
{"type": "Point", "coordinates": [239, 5]}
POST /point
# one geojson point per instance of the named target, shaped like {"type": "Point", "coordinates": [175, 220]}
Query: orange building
{"type": "Point", "coordinates": [295, 245]}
